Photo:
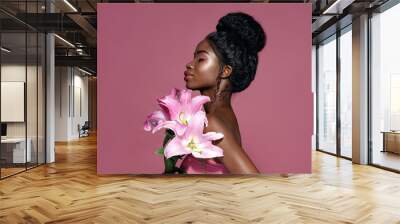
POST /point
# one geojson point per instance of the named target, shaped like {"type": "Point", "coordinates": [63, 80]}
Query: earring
{"type": "Point", "coordinates": [217, 93]}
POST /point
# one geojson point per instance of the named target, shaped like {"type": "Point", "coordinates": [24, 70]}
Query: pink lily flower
{"type": "Point", "coordinates": [158, 117]}
{"type": "Point", "coordinates": [154, 119]}
{"type": "Point", "coordinates": [194, 141]}
{"type": "Point", "coordinates": [180, 107]}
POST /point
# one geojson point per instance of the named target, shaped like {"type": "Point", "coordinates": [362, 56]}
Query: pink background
{"type": "Point", "coordinates": [142, 53]}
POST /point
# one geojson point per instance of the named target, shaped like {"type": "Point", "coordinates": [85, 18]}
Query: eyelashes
{"type": "Point", "coordinates": [198, 59]}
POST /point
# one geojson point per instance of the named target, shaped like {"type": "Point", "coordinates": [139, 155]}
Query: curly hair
{"type": "Point", "coordinates": [236, 42]}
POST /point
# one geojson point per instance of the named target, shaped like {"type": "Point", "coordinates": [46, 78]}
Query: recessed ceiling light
{"type": "Point", "coordinates": [5, 50]}
{"type": "Point", "coordinates": [70, 5]}
{"type": "Point", "coordinates": [337, 7]}
{"type": "Point", "coordinates": [64, 40]}
{"type": "Point", "coordinates": [84, 71]}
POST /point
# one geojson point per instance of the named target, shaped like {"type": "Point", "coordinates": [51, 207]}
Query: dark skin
{"type": "Point", "coordinates": [203, 72]}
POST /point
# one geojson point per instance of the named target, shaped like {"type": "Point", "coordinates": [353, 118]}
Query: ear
{"type": "Point", "coordinates": [226, 72]}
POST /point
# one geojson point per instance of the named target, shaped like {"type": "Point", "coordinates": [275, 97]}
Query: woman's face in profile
{"type": "Point", "coordinates": [202, 71]}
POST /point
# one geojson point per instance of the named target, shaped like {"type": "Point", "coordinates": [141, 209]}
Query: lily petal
{"type": "Point", "coordinates": [185, 96]}
{"type": "Point", "coordinates": [211, 136]}
{"type": "Point", "coordinates": [175, 147]}
{"type": "Point", "coordinates": [175, 126]}
{"type": "Point", "coordinates": [196, 124]}
{"type": "Point", "coordinates": [171, 105]}
{"type": "Point", "coordinates": [198, 101]}
{"type": "Point", "coordinates": [153, 120]}
{"type": "Point", "coordinates": [174, 92]}
{"type": "Point", "coordinates": [209, 151]}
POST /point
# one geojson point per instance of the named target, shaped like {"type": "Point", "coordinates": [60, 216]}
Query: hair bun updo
{"type": "Point", "coordinates": [237, 40]}
{"type": "Point", "coordinates": [242, 27]}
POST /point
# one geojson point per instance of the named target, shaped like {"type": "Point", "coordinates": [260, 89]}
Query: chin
{"type": "Point", "coordinates": [190, 86]}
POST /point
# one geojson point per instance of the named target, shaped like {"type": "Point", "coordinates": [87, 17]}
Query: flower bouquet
{"type": "Point", "coordinates": [184, 118]}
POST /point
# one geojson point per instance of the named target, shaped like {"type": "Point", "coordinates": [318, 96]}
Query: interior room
{"type": "Point", "coordinates": [73, 119]}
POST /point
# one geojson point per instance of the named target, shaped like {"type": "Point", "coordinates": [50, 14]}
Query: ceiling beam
{"type": "Point", "coordinates": [86, 26]}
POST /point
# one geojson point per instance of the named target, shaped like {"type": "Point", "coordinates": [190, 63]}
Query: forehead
{"type": "Point", "coordinates": [204, 45]}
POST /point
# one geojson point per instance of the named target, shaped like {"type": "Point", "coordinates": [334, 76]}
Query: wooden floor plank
{"type": "Point", "coordinates": [70, 191]}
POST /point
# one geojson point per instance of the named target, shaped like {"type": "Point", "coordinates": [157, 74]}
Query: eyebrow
{"type": "Point", "coordinates": [200, 51]}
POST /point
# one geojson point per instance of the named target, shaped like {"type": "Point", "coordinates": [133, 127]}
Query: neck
{"type": "Point", "coordinates": [221, 101]}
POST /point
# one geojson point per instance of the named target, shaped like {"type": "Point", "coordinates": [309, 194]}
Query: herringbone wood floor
{"type": "Point", "coordinates": [69, 191]}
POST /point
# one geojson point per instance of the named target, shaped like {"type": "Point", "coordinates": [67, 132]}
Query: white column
{"type": "Point", "coordinates": [50, 91]}
{"type": "Point", "coordinates": [314, 92]}
{"type": "Point", "coordinates": [360, 90]}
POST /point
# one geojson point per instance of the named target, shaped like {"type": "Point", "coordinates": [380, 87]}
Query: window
{"type": "Point", "coordinates": [346, 75]}
{"type": "Point", "coordinates": [385, 88]}
{"type": "Point", "coordinates": [327, 95]}
{"type": "Point", "coordinates": [22, 78]}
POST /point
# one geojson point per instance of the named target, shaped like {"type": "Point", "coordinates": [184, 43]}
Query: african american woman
{"type": "Point", "coordinates": [225, 62]}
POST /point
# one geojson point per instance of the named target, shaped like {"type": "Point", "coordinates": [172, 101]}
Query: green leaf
{"type": "Point", "coordinates": [160, 151]}
{"type": "Point", "coordinates": [169, 134]}
{"type": "Point", "coordinates": [170, 163]}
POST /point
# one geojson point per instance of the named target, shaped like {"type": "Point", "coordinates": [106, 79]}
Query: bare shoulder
{"type": "Point", "coordinates": [216, 124]}
{"type": "Point", "coordinates": [235, 158]}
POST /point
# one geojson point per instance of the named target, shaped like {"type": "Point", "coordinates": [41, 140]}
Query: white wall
{"type": "Point", "coordinates": [12, 73]}
{"type": "Point", "coordinates": [33, 127]}
{"type": "Point", "coordinates": [79, 117]}
{"type": "Point", "coordinates": [70, 83]}
{"type": "Point", "coordinates": [61, 103]}
{"type": "Point", "coordinates": [12, 101]}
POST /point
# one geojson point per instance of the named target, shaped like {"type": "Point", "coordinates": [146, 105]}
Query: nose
{"type": "Point", "coordinates": [189, 65]}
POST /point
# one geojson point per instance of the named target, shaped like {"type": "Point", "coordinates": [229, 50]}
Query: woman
{"type": "Point", "coordinates": [224, 63]}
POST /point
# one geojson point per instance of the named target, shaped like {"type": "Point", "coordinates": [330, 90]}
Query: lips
{"type": "Point", "coordinates": [188, 75]}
